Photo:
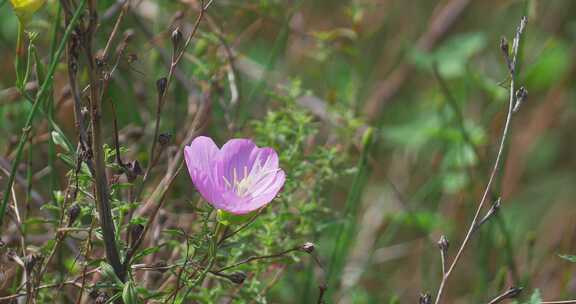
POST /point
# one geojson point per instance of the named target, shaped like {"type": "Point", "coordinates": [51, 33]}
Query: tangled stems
{"type": "Point", "coordinates": [39, 97]}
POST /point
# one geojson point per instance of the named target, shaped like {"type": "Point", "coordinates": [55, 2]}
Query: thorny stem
{"type": "Point", "coordinates": [495, 168]}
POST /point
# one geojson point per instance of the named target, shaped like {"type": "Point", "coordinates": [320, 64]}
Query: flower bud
{"type": "Point", "coordinates": [237, 277]}
{"type": "Point", "coordinates": [176, 39]}
{"type": "Point", "coordinates": [308, 247]}
{"type": "Point", "coordinates": [443, 244]}
{"type": "Point", "coordinates": [24, 9]}
{"type": "Point", "coordinates": [521, 95]}
{"type": "Point", "coordinates": [73, 213]}
{"type": "Point", "coordinates": [504, 46]}
{"type": "Point", "coordinates": [133, 170]}
{"type": "Point", "coordinates": [161, 85]}
{"type": "Point", "coordinates": [425, 298]}
{"type": "Point", "coordinates": [164, 139]}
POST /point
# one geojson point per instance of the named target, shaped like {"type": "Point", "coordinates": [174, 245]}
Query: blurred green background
{"type": "Point", "coordinates": [429, 75]}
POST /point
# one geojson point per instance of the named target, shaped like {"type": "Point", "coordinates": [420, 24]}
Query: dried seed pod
{"type": "Point", "coordinates": [237, 277]}
{"type": "Point", "coordinates": [443, 244]}
{"type": "Point", "coordinates": [177, 39]}
{"type": "Point", "coordinates": [73, 213]}
{"type": "Point", "coordinates": [164, 139]}
{"type": "Point", "coordinates": [425, 298]}
{"type": "Point", "coordinates": [161, 85]}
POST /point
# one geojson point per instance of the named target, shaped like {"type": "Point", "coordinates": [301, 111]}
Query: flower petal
{"type": "Point", "coordinates": [200, 156]}
{"type": "Point", "coordinates": [239, 178]}
{"type": "Point", "coordinates": [242, 205]}
{"type": "Point", "coordinates": [235, 160]}
{"type": "Point", "coordinates": [267, 191]}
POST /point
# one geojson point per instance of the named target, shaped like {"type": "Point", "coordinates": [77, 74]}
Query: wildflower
{"type": "Point", "coordinates": [24, 9]}
{"type": "Point", "coordinates": [239, 178]}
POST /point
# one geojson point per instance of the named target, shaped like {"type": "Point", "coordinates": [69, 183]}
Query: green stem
{"type": "Point", "coordinates": [52, 145]}
{"type": "Point", "coordinates": [20, 56]}
{"type": "Point", "coordinates": [40, 95]}
{"type": "Point", "coordinates": [211, 259]}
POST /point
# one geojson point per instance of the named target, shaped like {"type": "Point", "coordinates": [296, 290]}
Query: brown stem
{"type": "Point", "coordinates": [101, 181]}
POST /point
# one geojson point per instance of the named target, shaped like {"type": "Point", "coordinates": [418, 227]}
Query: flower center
{"type": "Point", "coordinates": [243, 186]}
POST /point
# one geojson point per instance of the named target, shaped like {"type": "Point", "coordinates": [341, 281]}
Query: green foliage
{"type": "Point", "coordinates": [256, 65]}
{"type": "Point", "coordinates": [535, 298]}
{"type": "Point", "coordinates": [551, 65]}
{"type": "Point", "coordinates": [452, 57]}
{"type": "Point", "coordinates": [569, 258]}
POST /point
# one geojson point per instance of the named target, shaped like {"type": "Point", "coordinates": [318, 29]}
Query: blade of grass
{"type": "Point", "coordinates": [347, 228]}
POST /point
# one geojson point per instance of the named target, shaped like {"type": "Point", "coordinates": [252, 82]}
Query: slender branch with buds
{"type": "Point", "coordinates": [515, 99]}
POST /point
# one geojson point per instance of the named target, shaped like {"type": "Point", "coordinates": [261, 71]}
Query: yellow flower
{"type": "Point", "coordinates": [26, 8]}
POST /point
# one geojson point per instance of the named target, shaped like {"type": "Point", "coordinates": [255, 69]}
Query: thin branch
{"type": "Point", "coordinates": [231, 234]}
{"type": "Point", "coordinates": [114, 32]}
{"type": "Point", "coordinates": [496, 167]}
{"type": "Point", "coordinates": [263, 257]}
{"type": "Point", "coordinates": [508, 294]}
{"type": "Point", "coordinates": [178, 52]}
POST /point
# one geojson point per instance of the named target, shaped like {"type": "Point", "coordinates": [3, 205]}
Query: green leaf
{"type": "Point", "coordinates": [227, 218]}
{"type": "Point", "coordinates": [551, 65]}
{"type": "Point", "coordinates": [454, 181]}
{"type": "Point", "coordinates": [416, 133]}
{"type": "Point", "coordinates": [569, 258]}
{"type": "Point", "coordinates": [452, 56]}
{"type": "Point", "coordinates": [108, 272]}
{"type": "Point", "coordinates": [535, 298]}
{"type": "Point", "coordinates": [129, 294]}
{"type": "Point", "coordinates": [145, 252]}
{"type": "Point", "coordinates": [60, 141]}
{"type": "Point", "coordinates": [113, 298]}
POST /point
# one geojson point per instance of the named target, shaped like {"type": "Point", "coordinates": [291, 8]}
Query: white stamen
{"type": "Point", "coordinates": [247, 182]}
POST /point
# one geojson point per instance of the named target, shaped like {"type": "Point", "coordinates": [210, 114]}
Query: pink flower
{"type": "Point", "coordinates": [239, 178]}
